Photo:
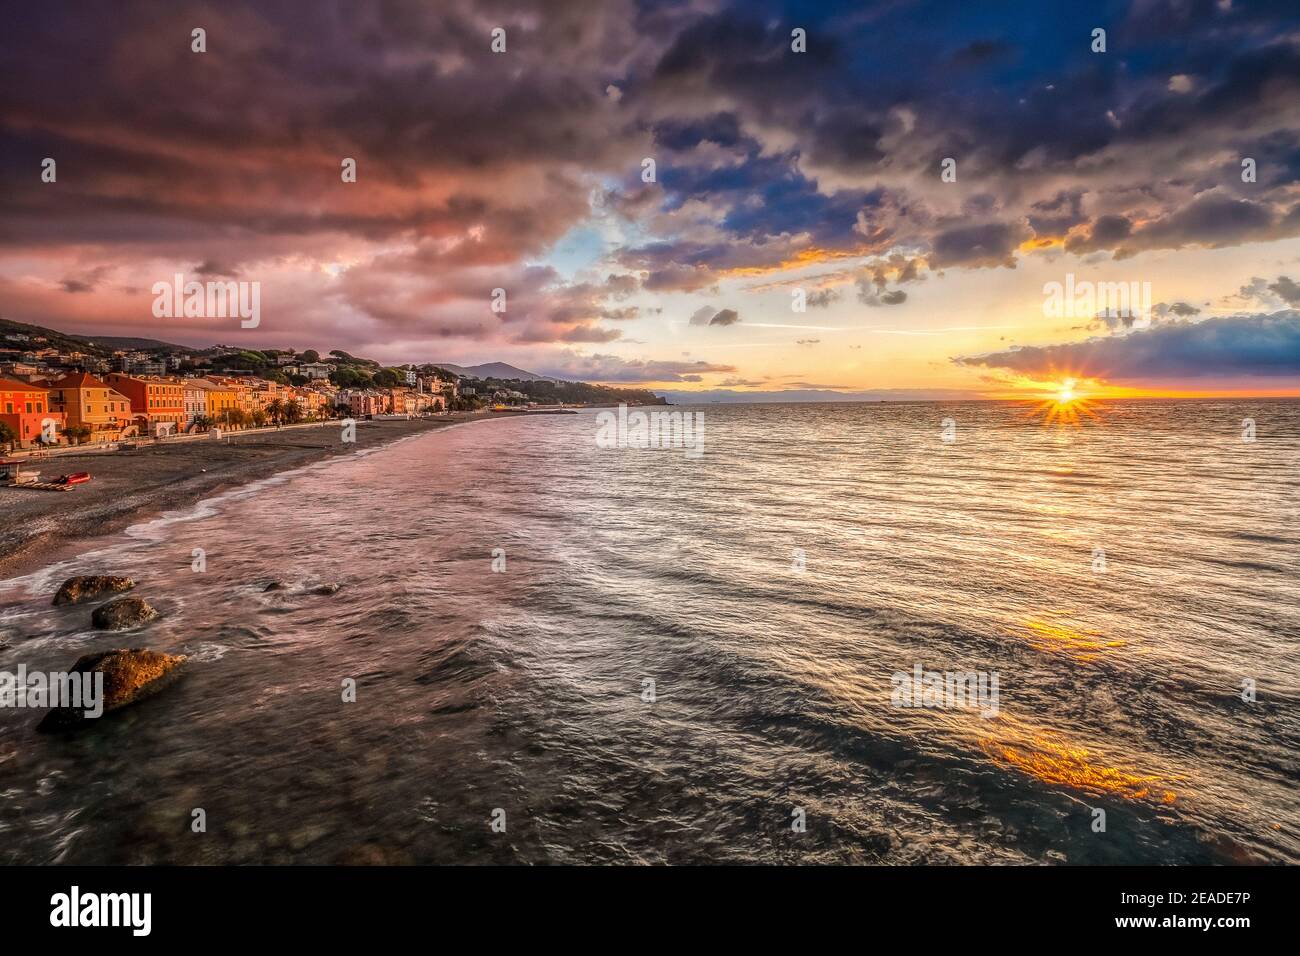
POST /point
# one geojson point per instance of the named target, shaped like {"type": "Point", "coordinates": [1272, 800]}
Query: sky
{"type": "Point", "coordinates": [875, 199]}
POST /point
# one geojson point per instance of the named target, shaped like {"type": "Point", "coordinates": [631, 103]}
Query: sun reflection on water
{"type": "Point", "coordinates": [1056, 762]}
{"type": "Point", "coordinates": [1080, 644]}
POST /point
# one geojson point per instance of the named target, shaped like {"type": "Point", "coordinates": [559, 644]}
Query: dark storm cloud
{"type": "Point", "coordinates": [1238, 346]}
{"type": "Point", "coordinates": [1210, 220]}
{"type": "Point", "coordinates": [1104, 233]}
{"type": "Point", "coordinates": [986, 245]}
{"type": "Point", "coordinates": [1057, 215]}
{"type": "Point", "coordinates": [722, 129]}
{"type": "Point", "coordinates": [472, 165]}
{"type": "Point", "coordinates": [1286, 289]}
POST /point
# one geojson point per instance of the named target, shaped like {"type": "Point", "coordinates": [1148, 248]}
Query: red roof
{"type": "Point", "coordinates": [10, 385]}
{"type": "Point", "coordinates": [79, 380]}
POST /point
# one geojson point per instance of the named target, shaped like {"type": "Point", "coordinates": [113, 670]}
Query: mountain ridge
{"type": "Point", "coordinates": [494, 370]}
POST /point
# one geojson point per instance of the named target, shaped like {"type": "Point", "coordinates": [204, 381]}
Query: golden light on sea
{"type": "Point", "coordinates": [1054, 761]}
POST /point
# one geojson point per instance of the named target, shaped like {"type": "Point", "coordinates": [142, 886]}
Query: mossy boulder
{"type": "Point", "coordinates": [90, 587]}
{"type": "Point", "coordinates": [130, 676]}
{"type": "Point", "coordinates": [123, 613]}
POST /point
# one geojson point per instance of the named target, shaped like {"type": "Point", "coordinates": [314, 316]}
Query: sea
{"type": "Point", "coordinates": [549, 648]}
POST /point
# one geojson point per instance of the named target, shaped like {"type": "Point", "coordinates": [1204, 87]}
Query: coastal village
{"type": "Point", "coordinates": [139, 395]}
{"type": "Point", "coordinates": [52, 396]}
{"type": "Point", "coordinates": [59, 389]}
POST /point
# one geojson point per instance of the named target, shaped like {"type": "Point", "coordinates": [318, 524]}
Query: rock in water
{"type": "Point", "coordinates": [87, 587]}
{"type": "Point", "coordinates": [122, 613]}
{"type": "Point", "coordinates": [326, 589]}
{"type": "Point", "coordinates": [273, 586]}
{"type": "Point", "coordinates": [129, 676]}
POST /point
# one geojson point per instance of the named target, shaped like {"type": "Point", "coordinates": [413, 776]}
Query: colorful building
{"type": "Point", "coordinates": [220, 399]}
{"type": "Point", "coordinates": [365, 403]}
{"type": "Point", "coordinates": [158, 403]}
{"type": "Point", "coordinates": [316, 403]}
{"type": "Point", "coordinates": [195, 399]}
{"type": "Point", "coordinates": [25, 409]}
{"type": "Point", "coordinates": [88, 402]}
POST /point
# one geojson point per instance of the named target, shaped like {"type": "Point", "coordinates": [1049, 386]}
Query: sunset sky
{"type": "Point", "coordinates": [775, 170]}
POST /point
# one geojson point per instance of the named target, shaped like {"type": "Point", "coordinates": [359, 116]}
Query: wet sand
{"type": "Point", "coordinates": [40, 526]}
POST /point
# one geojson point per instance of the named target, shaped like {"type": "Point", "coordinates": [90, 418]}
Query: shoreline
{"type": "Point", "coordinates": [42, 527]}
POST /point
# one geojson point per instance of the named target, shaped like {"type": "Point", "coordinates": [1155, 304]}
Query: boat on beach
{"type": "Point", "coordinates": [13, 476]}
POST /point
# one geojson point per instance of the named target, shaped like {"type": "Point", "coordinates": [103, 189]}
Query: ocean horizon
{"type": "Point", "coordinates": [636, 656]}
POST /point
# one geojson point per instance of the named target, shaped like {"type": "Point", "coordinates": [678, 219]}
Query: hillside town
{"type": "Point", "coordinates": [62, 389]}
{"type": "Point", "coordinates": [51, 398]}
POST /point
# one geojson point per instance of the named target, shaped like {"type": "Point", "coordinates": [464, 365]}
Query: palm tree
{"type": "Point", "coordinates": [275, 409]}
{"type": "Point", "coordinates": [292, 411]}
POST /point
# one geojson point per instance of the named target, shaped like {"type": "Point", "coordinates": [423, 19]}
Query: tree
{"type": "Point", "coordinates": [275, 409]}
{"type": "Point", "coordinates": [7, 435]}
{"type": "Point", "coordinates": [201, 423]}
{"type": "Point", "coordinates": [311, 355]}
{"type": "Point", "coordinates": [259, 418]}
{"type": "Point", "coordinates": [386, 378]}
{"type": "Point", "coordinates": [348, 377]}
{"type": "Point", "coordinates": [292, 411]}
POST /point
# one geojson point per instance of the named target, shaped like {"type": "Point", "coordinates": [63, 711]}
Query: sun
{"type": "Point", "coordinates": [1064, 404]}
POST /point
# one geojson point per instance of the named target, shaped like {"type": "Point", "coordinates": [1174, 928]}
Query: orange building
{"type": "Point", "coordinates": [86, 401]}
{"type": "Point", "coordinates": [25, 409]}
{"type": "Point", "coordinates": [221, 398]}
{"type": "Point", "coordinates": [156, 399]}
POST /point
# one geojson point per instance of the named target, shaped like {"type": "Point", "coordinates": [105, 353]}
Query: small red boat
{"type": "Point", "coordinates": [76, 478]}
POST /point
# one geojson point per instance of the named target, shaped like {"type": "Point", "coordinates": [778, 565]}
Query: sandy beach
{"type": "Point", "coordinates": [40, 526]}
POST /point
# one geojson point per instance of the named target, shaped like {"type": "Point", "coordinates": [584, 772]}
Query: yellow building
{"type": "Point", "coordinates": [221, 398]}
{"type": "Point", "coordinates": [86, 401]}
